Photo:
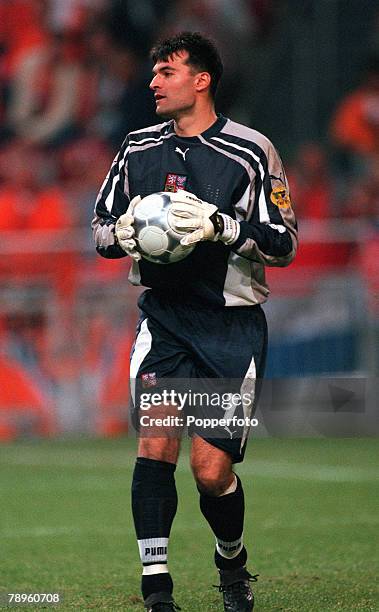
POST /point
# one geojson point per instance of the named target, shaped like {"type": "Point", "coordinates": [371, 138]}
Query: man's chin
{"type": "Point", "coordinates": [165, 114]}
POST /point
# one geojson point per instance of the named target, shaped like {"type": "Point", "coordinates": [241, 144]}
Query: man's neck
{"type": "Point", "coordinates": [195, 124]}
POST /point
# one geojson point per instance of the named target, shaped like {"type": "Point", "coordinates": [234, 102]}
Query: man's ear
{"type": "Point", "coordinates": [202, 81]}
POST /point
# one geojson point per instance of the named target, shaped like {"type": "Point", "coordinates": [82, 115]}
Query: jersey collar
{"type": "Point", "coordinates": [211, 131]}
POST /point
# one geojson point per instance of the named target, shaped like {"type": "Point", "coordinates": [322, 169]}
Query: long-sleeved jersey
{"type": "Point", "coordinates": [230, 165]}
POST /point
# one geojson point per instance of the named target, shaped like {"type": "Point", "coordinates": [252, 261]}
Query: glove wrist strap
{"type": "Point", "coordinates": [230, 230]}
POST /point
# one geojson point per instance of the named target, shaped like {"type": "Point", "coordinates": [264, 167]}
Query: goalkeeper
{"type": "Point", "coordinates": [201, 318]}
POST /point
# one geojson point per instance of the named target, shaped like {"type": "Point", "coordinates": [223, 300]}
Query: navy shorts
{"type": "Point", "coordinates": [215, 356]}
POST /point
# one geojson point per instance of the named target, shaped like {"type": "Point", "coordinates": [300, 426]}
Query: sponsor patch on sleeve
{"type": "Point", "coordinates": [280, 197]}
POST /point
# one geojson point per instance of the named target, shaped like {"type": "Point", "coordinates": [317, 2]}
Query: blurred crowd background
{"type": "Point", "coordinates": [74, 80]}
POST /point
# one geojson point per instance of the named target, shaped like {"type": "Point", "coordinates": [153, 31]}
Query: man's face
{"type": "Point", "coordinates": [174, 86]}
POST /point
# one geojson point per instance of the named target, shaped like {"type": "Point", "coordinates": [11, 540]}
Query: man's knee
{"type": "Point", "coordinates": [160, 449]}
{"type": "Point", "coordinates": [211, 467]}
{"type": "Point", "coordinates": [212, 480]}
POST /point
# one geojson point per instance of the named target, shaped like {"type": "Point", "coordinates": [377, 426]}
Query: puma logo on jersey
{"type": "Point", "coordinates": [177, 150]}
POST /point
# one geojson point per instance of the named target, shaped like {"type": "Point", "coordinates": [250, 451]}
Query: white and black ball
{"type": "Point", "coordinates": [156, 239]}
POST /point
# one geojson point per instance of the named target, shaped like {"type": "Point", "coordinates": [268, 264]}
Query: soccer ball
{"type": "Point", "coordinates": [156, 239]}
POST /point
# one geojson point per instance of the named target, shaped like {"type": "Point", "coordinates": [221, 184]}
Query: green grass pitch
{"type": "Point", "coordinates": [311, 525]}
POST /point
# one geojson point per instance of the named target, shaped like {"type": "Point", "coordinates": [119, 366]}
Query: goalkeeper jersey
{"type": "Point", "coordinates": [230, 165]}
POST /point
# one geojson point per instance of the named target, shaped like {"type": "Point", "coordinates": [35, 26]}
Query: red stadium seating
{"type": "Point", "coordinates": [115, 396]}
{"type": "Point", "coordinates": [313, 260]}
{"type": "Point", "coordinates": [25, 409]}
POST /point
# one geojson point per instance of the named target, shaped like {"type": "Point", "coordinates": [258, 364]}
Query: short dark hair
{"type": "Point", "coordinates": [202, 54]}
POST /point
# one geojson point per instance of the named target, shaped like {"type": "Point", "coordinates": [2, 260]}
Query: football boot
{"type": "Point", "coordinates": [236, 590]}
{"type": "Point", "coordinates": [160, 602]}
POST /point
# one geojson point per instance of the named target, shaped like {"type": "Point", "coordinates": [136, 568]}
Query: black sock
{"type": "Point", "coordinates": [225, 515]}
{"type": "Point", "coordinates": [154, 503]}
{"type": "Point", "coordinates": [156, 583]}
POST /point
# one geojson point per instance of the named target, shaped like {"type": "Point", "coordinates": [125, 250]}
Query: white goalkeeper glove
{"type": "Point", "coordinates": [201, 220]}
{"type": "Point", "coordinates": [124, 231]}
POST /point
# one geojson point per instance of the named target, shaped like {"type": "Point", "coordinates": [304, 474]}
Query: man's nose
{"type": "Point", "coordinates": [154, 82]}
